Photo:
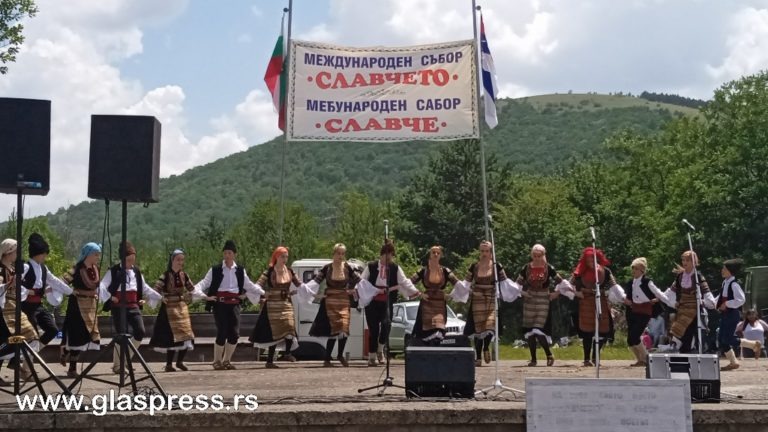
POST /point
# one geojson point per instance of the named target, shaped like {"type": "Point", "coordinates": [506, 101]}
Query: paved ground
{"type": "Point", "coordinates": [309, 382]}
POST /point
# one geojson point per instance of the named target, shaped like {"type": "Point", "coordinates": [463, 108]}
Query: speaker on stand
{"type": "Point", "coordinates": [124, 166]}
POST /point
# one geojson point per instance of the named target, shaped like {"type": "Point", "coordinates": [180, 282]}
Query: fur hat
{"type": "Point", "coordinates": [126, 249]}
{"type": "Point", "coordinates": [230, 245]}
{"type": "Point", "coordinates": [37, 245]}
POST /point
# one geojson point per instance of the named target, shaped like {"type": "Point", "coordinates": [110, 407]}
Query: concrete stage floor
{"type": "Point", "coordinates": [306, 396]}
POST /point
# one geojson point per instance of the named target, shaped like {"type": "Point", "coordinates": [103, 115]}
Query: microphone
{"type": "Point", "coordinates": [685, 221]}
{"type": "Point", "coordinates": [592, 231]}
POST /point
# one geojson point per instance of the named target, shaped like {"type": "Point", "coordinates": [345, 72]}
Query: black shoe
{"type": "Point", "coordinates": [182, 366]}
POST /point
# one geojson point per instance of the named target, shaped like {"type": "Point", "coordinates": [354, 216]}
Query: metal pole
{"type": "Point", "coordinates": [598, 305]}
{"type": "Point", "coordinates": [288, 10]}
{"type": "Point", "coordinates": [698, 294]}
{"type": "Point", "coordinates": [19, 270]}
{"type": "Point", "coordinates": [477, 104]}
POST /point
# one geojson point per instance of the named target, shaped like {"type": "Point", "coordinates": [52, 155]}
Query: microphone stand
{"type": "Point", "coordinates": [598, 304]}
{"type": "Point", "coordinates": [497, 384]}
{"type": "Point", "coordinates": [698, 287]}
{"type": "Point", "coordinates": [388, 380]}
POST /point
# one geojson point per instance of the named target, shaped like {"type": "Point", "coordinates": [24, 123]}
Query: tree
{"type": "Point", "coordinates": [257, 236]}
{"type": "Point", "coordinates": [12, 12]}
{"type": "Point", "coordinates": [444, 205]}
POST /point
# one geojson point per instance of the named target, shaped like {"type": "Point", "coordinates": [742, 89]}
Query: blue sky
{"type": "Point", "coordinates": [198, 65]}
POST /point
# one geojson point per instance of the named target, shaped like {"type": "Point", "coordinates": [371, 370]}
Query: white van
{"type": "Point", "coordinates": [312, 347]}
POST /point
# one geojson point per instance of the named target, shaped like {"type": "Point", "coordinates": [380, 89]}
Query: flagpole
{"type": "Point", "coordinates": [479, 129]}
{"type": "Point", "coordinates": [288, 10]}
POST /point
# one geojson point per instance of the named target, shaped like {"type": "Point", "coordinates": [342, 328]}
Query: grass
{"type": "Point", "coordinates": [593, 102]}
{"type": "Point", "coordinates": [571, 352]}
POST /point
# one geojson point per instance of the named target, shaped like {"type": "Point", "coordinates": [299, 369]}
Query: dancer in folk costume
{"type": "Point", "coordinates": [432, 314]}
{"type": "Point", "coordinates": [276, 323]}
{"type": "Point", "coordinates": [540, 285]}
{"type": "Point", "coordinates": [729, 303]}
{"type": "Point", "coordinates": [642, 305]}
{"type": "Point", "coordinates": [173, 328]}
{"type": "Point", "coordinates": [682, 297]}
{"type": "Point", "coordinates": [479, 287]}
{"type": "Point", "coordinates": [378, 288]}
{"type": "Point", "coordinates": [583, 280]}
{"type": "Point", "coordinates": [332, 320]}
{"type": "Point", "coordinates": [80, 331]}
{"type": "Point", "coordinates": [226, 286]}
{"type": "Point", "coordinates": [40, 283]}
{"type": "Point", "coordinates": [137, 293]}
{"type": "Point", "coordinates": [8, 254]}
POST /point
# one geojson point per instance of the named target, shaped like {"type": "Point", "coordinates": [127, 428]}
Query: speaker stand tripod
{"type": "Point", "coordinates": [21, 346]}
{"type": "Point", "coordinates": [122, 340]}
{"type": "Point", "coordinates": [497, 384]}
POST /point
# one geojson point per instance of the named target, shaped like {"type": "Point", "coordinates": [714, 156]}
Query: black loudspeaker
{"type": "Point", "coordinates": [125, 158]}
{"type": "Point", "coordinates": [702, 370]}
{"type": "Point", "coordinates": [439, 372]}
{"type": "Point", "coordinates": [25, 146]}
{"type": "Point", "coordinates": [449, 341]}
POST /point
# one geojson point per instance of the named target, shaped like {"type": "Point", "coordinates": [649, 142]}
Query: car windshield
{"type": "Point", "coordinates": [411, 311]}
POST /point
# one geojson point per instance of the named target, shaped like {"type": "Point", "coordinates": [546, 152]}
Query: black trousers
{"type": "Point", "coordinates": [636, 325]}
{"type": "Point", "coordinates": [42, 319]}
{"type": "Point", "coordinates": [227, 318]}
{"type": "Point", "coordinates": [133, 324]}
{"type": "Point", "coordinates": [379, 323]}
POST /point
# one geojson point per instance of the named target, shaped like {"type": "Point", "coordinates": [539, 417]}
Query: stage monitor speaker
{"type": "Point", "coordinates": [439, 372]}
{"type": "Point", "coordinates": [25, 134]}
{"type": "Point", "coordinates": [703, 371]}
{"type": "Point", "coordinates": [125, 158]}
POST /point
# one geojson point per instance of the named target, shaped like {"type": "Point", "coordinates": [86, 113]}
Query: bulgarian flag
{"type": "Point", "coordinates": [276, 79]}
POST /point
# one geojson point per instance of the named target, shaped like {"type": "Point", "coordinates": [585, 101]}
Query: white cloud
{"type": "Point", "coordinates": [256, 11]}
{"type": "Point", "coordinates": [71, 57]}
{"type": "Point", "coordinates": [747, 45]}
{"type": "Point", "coordinates": [244, 38]}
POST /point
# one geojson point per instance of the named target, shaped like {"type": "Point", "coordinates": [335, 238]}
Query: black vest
{"type": "Point", "coordinates": [30, 278]}
{"type": "Point", "coordinates": [646, 289]}
{"type": "Point", "coordinates": [373, 276]}
{"type": "Point", "coordinates": [217, 276]}
{"type": "Point", "coordinates": [118, 275]}
{"type": "Point", "coordinates": [721, 300]}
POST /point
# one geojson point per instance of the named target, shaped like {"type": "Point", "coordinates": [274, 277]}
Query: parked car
{"type": "Point", "coordinates": [403, 319]}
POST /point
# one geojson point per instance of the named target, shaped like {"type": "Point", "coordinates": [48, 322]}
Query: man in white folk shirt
{"type": "Point", "coordinates": [226, 285]}
{"type": "Point", "coordinates": [136, 291]}
{"type": "Point", "coordinates": [378, 287]}
{"type": "Point", "coordinates": [729, 304]}
{"type": "Point", "coordinates": [39, 283]}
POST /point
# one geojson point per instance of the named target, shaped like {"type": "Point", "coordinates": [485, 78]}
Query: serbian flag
{"type": "Point", "coordinates": [276, 79]}
{"type": "Point", "coordinates": [490, 88]}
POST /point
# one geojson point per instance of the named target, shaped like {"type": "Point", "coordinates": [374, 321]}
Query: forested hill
{"type": "Point", "coordinates": [535, 134]}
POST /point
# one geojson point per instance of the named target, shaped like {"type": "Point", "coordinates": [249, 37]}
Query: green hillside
{"type": "Point", "coordinates": [535, 134]}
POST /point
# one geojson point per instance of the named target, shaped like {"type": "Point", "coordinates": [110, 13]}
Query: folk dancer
{"type": "Point", "coordinates": [540, 285]}
{"type": "Point", "coordinates": [173, 328]}
{"type": "Point", "coordinates": [583, 280]}
{"type": "Point", "coordinates": [378, 288]}
{"type": "Point", "coordinates": [80, 331]}
{"type": "Point", "coordinates": [227, 285]}
{"type": "Point", "coordinates": [332, 320]}
{"type": "Point", "coordinates": [682, 297]}
{"type": "Point", "coordinates": [276, 324]}
{"type": "Point", "coordinates": [137, 293]}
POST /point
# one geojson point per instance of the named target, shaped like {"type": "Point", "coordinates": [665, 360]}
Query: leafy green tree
{"type": "Point", "coordinates": [12, 12]}
{"type": "Point", "coordinates": [444, 204]}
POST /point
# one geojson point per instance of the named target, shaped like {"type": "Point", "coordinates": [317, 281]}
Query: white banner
{"type": "Point", "coordinates": [426, 92]}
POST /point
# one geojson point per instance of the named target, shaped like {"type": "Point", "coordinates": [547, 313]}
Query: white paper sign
{"type": "Point", "coordinates": [608, 405]}
{"type": "Point", "coordinates": [426, 92]}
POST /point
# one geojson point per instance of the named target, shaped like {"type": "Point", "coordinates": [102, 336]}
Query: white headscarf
{"type": "Point", "coordinates": [7, 246]}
